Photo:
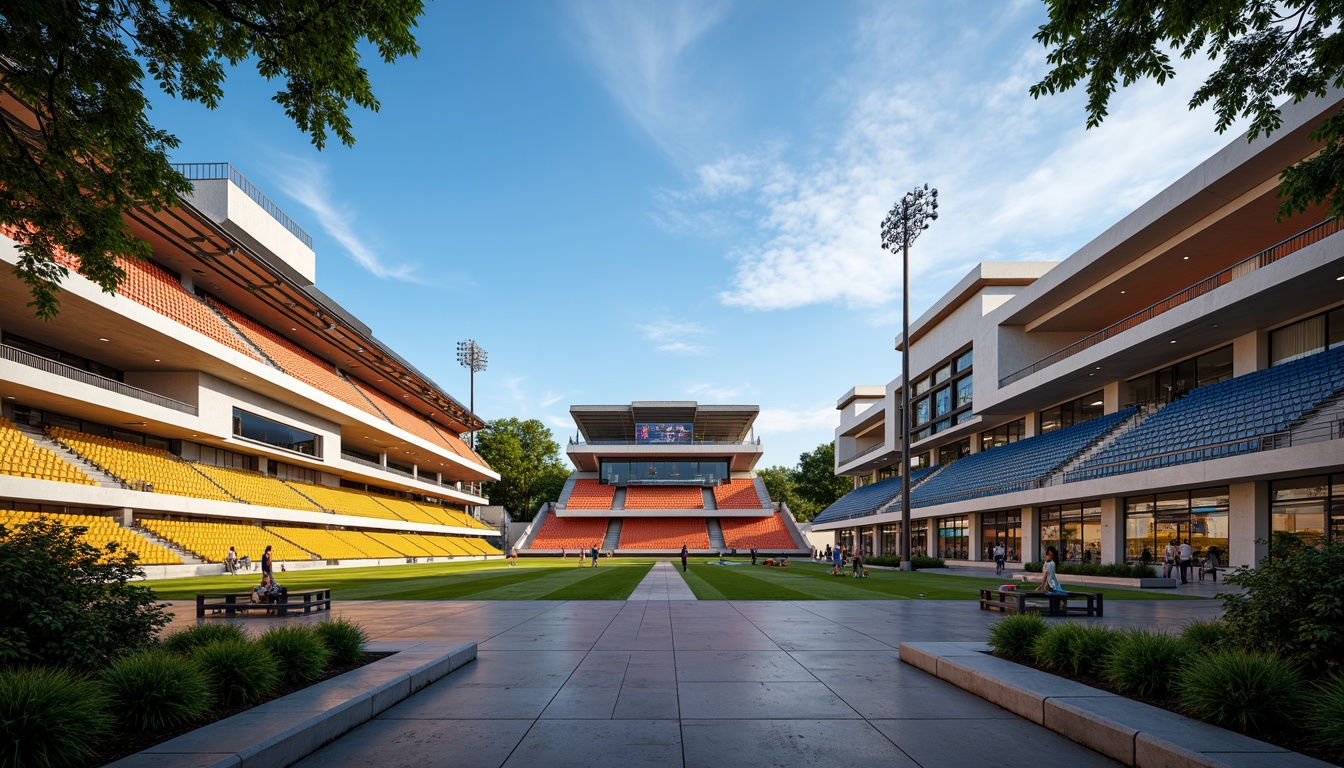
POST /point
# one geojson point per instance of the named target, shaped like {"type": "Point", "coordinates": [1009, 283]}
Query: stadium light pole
{"type": "Point", "coordinates": [472, 357]}
{"type": "Point", "coordinates": [907, 219]}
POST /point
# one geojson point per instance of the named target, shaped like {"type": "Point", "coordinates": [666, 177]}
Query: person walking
{"type": "Point", "coordinates": [583, 557]}
{"type": "Point", "coordinates": [1169, 559]}
{"type": "Point", "coordinates": [266, 562]}
{"type": "Point", "coordinates": [513, 556]}
{"type": "Point", "coordinates": [685, 553]}
{"type": "Point", "coordinates": [858, 565]}
{"type": "Point", "coordinates": [753, 555]}
{"type": "Point", "coordinates": [1187, 555]}
{"type": "Point", "coordinates": [594, 554]}
{"type": "Point", "coordinates": [838, 559]}
{"type": "Point", "coordinates": [231, 562]}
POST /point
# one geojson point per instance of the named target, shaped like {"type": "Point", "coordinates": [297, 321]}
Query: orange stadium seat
{"type": "Point", "coordinates": [737, 494]}
{"type": "Point", "coordinates": [415, 423]}
{"type": "Point", "coordinates": [296, 361]}
{"type": "Point", "coordinates": [664, 497]}
{"type": "Point", "coordinates": [570, 532]}
{"type": "Point", "coordinates": [590, 494]}
{"type": "Point", "coordinates": [664, 533]}
{"type": "Point", "coordinates": [759, 532]}
{"type": "Point", "coordinates": [156, 288]}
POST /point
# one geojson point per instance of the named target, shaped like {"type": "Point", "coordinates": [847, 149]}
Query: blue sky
{"type": "Point", "coordinates": [681, 200]}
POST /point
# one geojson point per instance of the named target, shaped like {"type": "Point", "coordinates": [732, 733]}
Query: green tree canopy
{"type": "Point", "coordinates": [1268, 51]}
{"type": "Point", "coordinates": [77, 150]}
{"type": "Point", "coordinates": [809, 486]}
{"type": "Point", "coordinates": [527, 458]}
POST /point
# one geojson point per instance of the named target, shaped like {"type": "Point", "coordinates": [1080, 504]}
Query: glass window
{"type": "Point", "coordinates": [919, 537]}
{"type": "Point", "coordinates": [942, 401]}
{"type": "Point", "coordinates": [1199, 516]}
{"type": "Point", "coordinates": [953, 451]}
{"type": "Point", "coordinates": [1299, 507]}
{"type": "Point", "coordinates": [891, 539]}
{"type": "Point", "coordinates": [963, 361]}
{"type": "Point", "coordinates": [1003, 435]}
{"type": "Point", "coordinates": [1001, 528]}
{"type": "Point", "coordinates": [922, 414]}
{"type": "Point", "coordinates": [965, 416]}
{"type": "Point", "coordinates": [1214, 366]}
{"type": "Point", "coordinates": [942, 374]}
{"type": "Point", "coordinates": [1305, 337]}
{"type": "Point", "coordinates": [922, 386]}
{"type": "Point", "coordinates": [1334, 323]}
{"type": "Point", "coordinates": [273, 433]}
{"type": "Point", "coordinates": [964, 389]}
{"type": "Point", "coordinates": [1073, 412]}
{"type": "Point", "coordinates": [954, 538]}
{"type": "Point", "coordinates": [664, 472]}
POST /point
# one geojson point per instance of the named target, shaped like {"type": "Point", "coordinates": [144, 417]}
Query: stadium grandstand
{"type": "Point", "coordinates": [219, 399]}
{"type": "Point", "coordinates": [651, 477]}
{"type": "Point", "coordinates": [1179, 378]}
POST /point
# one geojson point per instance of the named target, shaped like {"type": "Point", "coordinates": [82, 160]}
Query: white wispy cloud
{"type": "Point", "coordinates": [716, 393]}
{"type": "Point", "coordinates": [306, 182]}
{"type": "Point", "coordinates": [772, 421]}
{"type": "Point", "coordinates": [1020, 179]}
{"type": "Point", "coordinates": [639, 50]}
{"type": "Point", "coordinates": [675, 337]}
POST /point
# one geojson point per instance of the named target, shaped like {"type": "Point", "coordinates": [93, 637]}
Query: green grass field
{"type": "Point", "coordinates": [540, 579]}
{"type": "Point", "coordinates": [615, 579]}
{"type": "Point", "coordinates": [803, 580]}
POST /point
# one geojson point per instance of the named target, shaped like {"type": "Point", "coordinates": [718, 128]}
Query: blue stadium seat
{"type": "Point", "coordinates": [866, 500]}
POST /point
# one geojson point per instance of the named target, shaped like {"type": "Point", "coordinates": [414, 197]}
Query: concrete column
{"type": "Point", "coordinates": [973, 542]}
{"type": "Point", "coordinates": [126, 517]}
{"type": "Point", "coordinates": [1031, 425]}
{"type": "Point", "coordinates": [262, 464]}
{"type": "Point", "coordinates": [1031, 535]}
{"type": "Point", "coordinates": [1112, 530]}
{"type": "Point", "coordinates": [1110, 396]}
{"type": "Point", "coordinates": [1247, 522]}
{"type": "Point", "coordinates": [415, 471]}
{"type": "Point", "coordinates": [1250, 353]}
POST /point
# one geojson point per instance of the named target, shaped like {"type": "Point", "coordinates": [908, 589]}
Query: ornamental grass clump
{"type": "Point", "coordinates": [344, 638]}
{"type": "Point", "coordinates": [1077, 649]}
{"type": "Point", "coordinates": [1014, 637]}
{"type": "Point", "coordinates": [240, 672]}
{"type": "Point", "coordinates": [1205, 636]}
{"type": "Point", "coordinates": [1325, 716]}
{"type": "Point", "coordinates": [185, 642]}
{"type": "Point", "coordinates": [299, 650]}
{"type": "Point", "coordinates": [49, 718]}
{"type": "Point", "coordinates": [1144, 663]}
{"type": "Point", "coordinates": [156, 690]}
{"type": "Point", "coordinates": [1245, 691]}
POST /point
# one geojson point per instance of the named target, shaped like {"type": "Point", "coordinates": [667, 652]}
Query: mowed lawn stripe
{"type": "Point", "coordinates": [604, 584]}
{"type": "Point", "coordinates": [745, 583]}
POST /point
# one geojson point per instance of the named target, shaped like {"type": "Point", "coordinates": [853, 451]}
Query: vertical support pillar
{"type": "Point", "coordinates": [1031, 535]}
{"type": "Point", "coordinates": [1112, 530]}
{"type": "Point", "coordinates": [1247, 522]}
{"type": "Point", "coordinates": [127, 518]}
{"type": "Point", "coordinates": [973, 542]}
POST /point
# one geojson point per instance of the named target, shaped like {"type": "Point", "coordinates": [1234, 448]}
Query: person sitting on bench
{"type": "Point", "coordinates": [1049, 580]}
{"type": "Point", "coordinates": [268, 591]}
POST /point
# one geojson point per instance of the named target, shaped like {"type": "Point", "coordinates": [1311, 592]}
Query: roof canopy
{"type": "Point", "coordinates": [718, 423]}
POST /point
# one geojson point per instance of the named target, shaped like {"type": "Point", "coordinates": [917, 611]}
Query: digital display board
{"type": "Point", "coordinates": [663, 433]}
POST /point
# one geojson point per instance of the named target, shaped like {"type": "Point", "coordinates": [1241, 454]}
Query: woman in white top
{"type": "Point", "coordinates": [1049, 580]}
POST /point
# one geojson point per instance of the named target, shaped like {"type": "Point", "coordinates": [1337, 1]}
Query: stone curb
{"type": "Point", "coordinates": [1128, 731]}
{"type": "Point", "coordinates": [281, 732]}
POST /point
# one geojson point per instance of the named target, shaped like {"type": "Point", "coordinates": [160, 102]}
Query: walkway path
{"type": "Point", "coordinates": [706, 683]}
{"type": "Point", "coordinates": [662, 583]}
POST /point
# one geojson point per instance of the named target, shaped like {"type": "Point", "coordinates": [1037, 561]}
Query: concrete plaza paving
{"type": "Point", "coordinates": [667, 682]}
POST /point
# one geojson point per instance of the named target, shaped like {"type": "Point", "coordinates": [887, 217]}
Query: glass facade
{"type": "Point", "coordinates": [1311, 508]}
{"type": "Point", "coordinates": [919, 537]}
{"type": "Point", "coordinates": [1074, 530]}
{"type": "Point", "coordinates": [942, 398]}
{"type": "Point", "coordinates": [1003, 435]}
{"type": "Point", "coordinates": [1200, 517]}
{"type": "Point", "coordinates": [954, 537]}
{"type": "Point", "coordinates": [1174, 381]}
{"type": "Point", "coordinates": [891, 539]}
{"type": "Point", "coordinates": [953, 451]}
{"type": "Point", "coordinates": [1001, 528]}
{"type": "Point", "coordinates": [665, 472]}
{"type": "Point", "coordinates": [1072, 412]}
{"type": "Point", "coordinates": [273, 433]}
{"type": "Point", "coordinates": [1307, 337]}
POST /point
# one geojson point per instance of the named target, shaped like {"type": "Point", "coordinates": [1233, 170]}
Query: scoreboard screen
{"type": "Point", "coordinates": [663, 433]}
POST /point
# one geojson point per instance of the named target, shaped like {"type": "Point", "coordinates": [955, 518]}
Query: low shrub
{"type": "Point", "coordinates": [1078, 649]}
{"type": "Point", "coordinates": [1117, 570]}
{"type": "Point", "coordinates": [239, 672]}
{"type": "Point", "coordinates": [345, 639]}
{"type": "Point", "coordinates": [299, 650]}
{"type": "Point", "coordinates": [1014, 637]}
{"type": "Point", "coordinates": [1144, 663]}
{"type": "Point", "coordinates": [918, 562]}
{"type": "Point", "coordinates": [1205, 636]}
{"type": "Point", "coordinates": [69, 603]}
{"type": "Point", "coordinates": [1325, 716]}
{"type": "Point", "coordinates": [1292, 606]}
{"type": "Point", "coordinates": [1245, 691]}
{"type": "Point", "coordinates": [156, 690]}
{"type": "Point", "coordinates": [49, 717]}
{"type": "Point", "coordinates": [185, 642]}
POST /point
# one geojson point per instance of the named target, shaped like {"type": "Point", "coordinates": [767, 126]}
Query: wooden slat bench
{"type": "Point", "coordinates": [1055, 603]}
{"type": "Point", "coordinates": [232, 603]}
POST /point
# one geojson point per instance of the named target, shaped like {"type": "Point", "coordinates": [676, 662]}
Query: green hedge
{"type": "Point", "coordinates": [1119, 570]}
{"type": "Point", "coordinates": [918, 562]}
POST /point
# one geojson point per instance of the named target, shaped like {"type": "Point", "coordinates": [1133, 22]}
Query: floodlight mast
{"type": "Point", "coordinates": [907, 219]}
{"type": "Point", "coordinates": [474, 358]}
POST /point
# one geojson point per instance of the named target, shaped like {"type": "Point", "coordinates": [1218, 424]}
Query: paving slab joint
{"type": "Point", "coordinates": [1128, 731]}
{"type": "Point", "coordinates": [283, 731]}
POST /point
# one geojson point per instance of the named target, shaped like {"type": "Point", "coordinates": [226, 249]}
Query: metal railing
{"type": "Point", "coordinates": [212, 171]}
{"type": "Point", "coordinates": [92, 379]}
{"type": "Point", "coordinates": [1262, 259]}
{"type": "Point", "coordinates": [359, 460]}
{"type": "Point", "coordinates": [572, 441]}
{"type": "Point", "coordinates": [864, 452]}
